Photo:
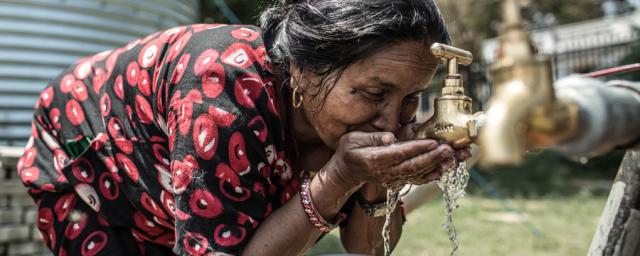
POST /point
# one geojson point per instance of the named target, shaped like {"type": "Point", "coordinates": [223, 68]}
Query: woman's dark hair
{"type": "Point", "coordinates": [326, 36]}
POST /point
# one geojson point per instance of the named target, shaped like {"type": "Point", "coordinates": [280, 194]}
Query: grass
{"type": "Point", "coordinates": [561, 198]}
{"type": "Point", "coordinates": [485, 227]}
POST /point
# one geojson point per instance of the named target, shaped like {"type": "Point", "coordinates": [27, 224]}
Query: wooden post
{"type": "Point", "coordinates": [618, 232]}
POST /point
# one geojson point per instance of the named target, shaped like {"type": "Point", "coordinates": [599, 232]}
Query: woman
{"type": "Point", "coordinates": [195, 140]}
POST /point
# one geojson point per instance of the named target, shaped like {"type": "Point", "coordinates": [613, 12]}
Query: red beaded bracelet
{"type": "Point", "coordinates": [307, 203]}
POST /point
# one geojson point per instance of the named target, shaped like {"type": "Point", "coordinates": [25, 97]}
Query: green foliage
{"type": "Point", "coordinates": [569, 11]}
{"type": "Point", "coordinates": [548, 173]}
{"type": "Point", "coordinates": [485, 227]}
{"type": "Point", "coordinates": [246, 10]}
{"type": "Point", "coordinates": [482, 18]}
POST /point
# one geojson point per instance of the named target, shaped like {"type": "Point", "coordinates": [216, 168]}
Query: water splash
{"type": "Point", "coordinates": [392, 201]}
{"type": "Point", "coordinates": [452, 184]}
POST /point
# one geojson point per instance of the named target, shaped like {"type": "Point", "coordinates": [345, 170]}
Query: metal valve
{"type": "Point", "coordinates": [452, 121]}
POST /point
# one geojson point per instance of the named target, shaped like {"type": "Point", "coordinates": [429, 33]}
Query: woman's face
{"type": "Point", "coordinates": [379, 93]}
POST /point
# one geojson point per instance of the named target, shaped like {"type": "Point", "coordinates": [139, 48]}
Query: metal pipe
{"type": "Point", "coordinates": [523, 113]}
{"type": "Point", "coordinates": [608, 115]}
{"type": "Point", "coordinates": [614, 70]}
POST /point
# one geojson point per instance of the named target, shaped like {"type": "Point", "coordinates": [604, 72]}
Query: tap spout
{"type": "Point", "coordinates": [502, 141]}
{"type": "Point", "coordinates": [452, 121]}
{"type": "Point", "coordinates": [524, 112]}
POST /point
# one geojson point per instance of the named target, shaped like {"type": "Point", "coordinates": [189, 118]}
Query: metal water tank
{"type": "Point", "coordinates": [39, 38]}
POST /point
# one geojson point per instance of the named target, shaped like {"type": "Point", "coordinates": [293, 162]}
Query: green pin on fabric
{"type": "Point", "coordinates": [76, 147]}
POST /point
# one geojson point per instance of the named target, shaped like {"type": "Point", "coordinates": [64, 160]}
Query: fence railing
{"type": "Point", "coordinates": [593, 59]}
{"type": "Point", "coordinates": [583, 56]}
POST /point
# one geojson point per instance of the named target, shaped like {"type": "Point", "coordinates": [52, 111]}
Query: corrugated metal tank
{"type": "Point", "coordinates": [39, 38]}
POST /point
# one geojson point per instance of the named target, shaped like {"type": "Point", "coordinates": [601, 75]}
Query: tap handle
{"type": "Point", "coordinates": [449, 52]}
{"type": "Point", "coordinates": [453, 55]}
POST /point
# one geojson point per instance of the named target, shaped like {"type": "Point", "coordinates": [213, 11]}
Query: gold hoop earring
{"type": "Point", "coordinates": [296, 98]}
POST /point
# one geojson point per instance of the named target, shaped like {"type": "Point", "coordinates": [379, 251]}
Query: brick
{"type": "Point", "coordinates": [4, 171]}
{"type": "Point", "coordinates": [30, 215]}
{"type": "Point", "coordinates": [4, 201]}
{"type": "Point", "coordinates": [35, 234]}
{"type": "Point", "coordinates": [10, 216]}
{"type": "Point", "coordinates": [9, 157]}
{"type": "Point", "coordinates": [25, 248]}
{"type": "Point", "coordinates": [21, 201]}
{"type": "Point", "coordinates": [13, 187]}
{"type": "Point", "coordinates": [14, 233]}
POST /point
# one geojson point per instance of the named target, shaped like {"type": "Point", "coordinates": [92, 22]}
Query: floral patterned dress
{"type": "Point", "coordinates": [171, 144]}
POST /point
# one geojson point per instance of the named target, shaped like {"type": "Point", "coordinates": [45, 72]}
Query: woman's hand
{"type": "Point", "coordinates": [380, 158]}
{"type": "Point", "coordinates": [408, 131]}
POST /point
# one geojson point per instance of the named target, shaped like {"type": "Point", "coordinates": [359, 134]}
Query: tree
{"type": "Point", "coordinates": [470, 21]}
{"type": "Point", "coordinates": [246, 10]}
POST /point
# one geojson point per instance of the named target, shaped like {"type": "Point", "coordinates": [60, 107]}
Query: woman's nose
{"type": "Point", "coordinates": [388, 120]}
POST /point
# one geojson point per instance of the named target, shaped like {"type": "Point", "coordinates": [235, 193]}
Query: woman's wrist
{"type": "Point", "coordinates": [330, 193]}
{"type": "Point", "coordinates": [373, 192]}
{"type": "Point", "coordinates": [340, 178]}
{"type": "Point", "coordinates": [316, 219]}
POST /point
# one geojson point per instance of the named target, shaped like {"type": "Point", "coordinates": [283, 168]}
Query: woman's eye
{"type": "Point", "coordinates": [413, 98]}
{"type": "Point", "coordinates": [373, 94]}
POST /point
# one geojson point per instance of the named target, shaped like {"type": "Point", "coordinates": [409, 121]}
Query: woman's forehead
{"type": "Point", "coordinates": [403, 63]}
{"type": "Point", "coordinates": [409, 54]}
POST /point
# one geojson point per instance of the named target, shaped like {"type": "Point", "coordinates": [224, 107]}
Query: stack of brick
{"type": "Point", "coordinates": [18, 232]}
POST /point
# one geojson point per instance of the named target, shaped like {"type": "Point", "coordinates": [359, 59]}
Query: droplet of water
{"type": "Point", "coordinates": [584, 160]}
{"type": "Point", "coordinates": [452, 184]}
{"type": "Point", "coordinates": [392, 200]}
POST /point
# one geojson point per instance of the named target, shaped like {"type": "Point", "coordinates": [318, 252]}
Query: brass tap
{"type": "Point", "coordinates": [523, 113]}
{"type": "Point", "coordinates": [452, 121]}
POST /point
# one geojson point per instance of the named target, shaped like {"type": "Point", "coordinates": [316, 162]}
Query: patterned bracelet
{"type": "Point", "coordinates": [403, 211]}
{"type": "Point", "coordinates": [307, 203]}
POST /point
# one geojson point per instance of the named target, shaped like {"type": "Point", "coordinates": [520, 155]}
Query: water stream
{"type": "Point", "coordinates": [452, 184]}
{"type": "Point", "coordinates": [392, 201]}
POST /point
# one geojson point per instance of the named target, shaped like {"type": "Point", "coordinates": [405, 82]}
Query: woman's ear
{"type": "Point", "coordinates": [302, 78]}
{"type": "Point", "coordinates": [296, 74]}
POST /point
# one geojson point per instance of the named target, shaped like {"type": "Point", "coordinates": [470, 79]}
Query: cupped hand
{"type": "Point", "coordinates": [408, 131]}
{"type": "Point", "coordinates": [384, 159]}
{"type": "Point", "coordinates": [445, 166]}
